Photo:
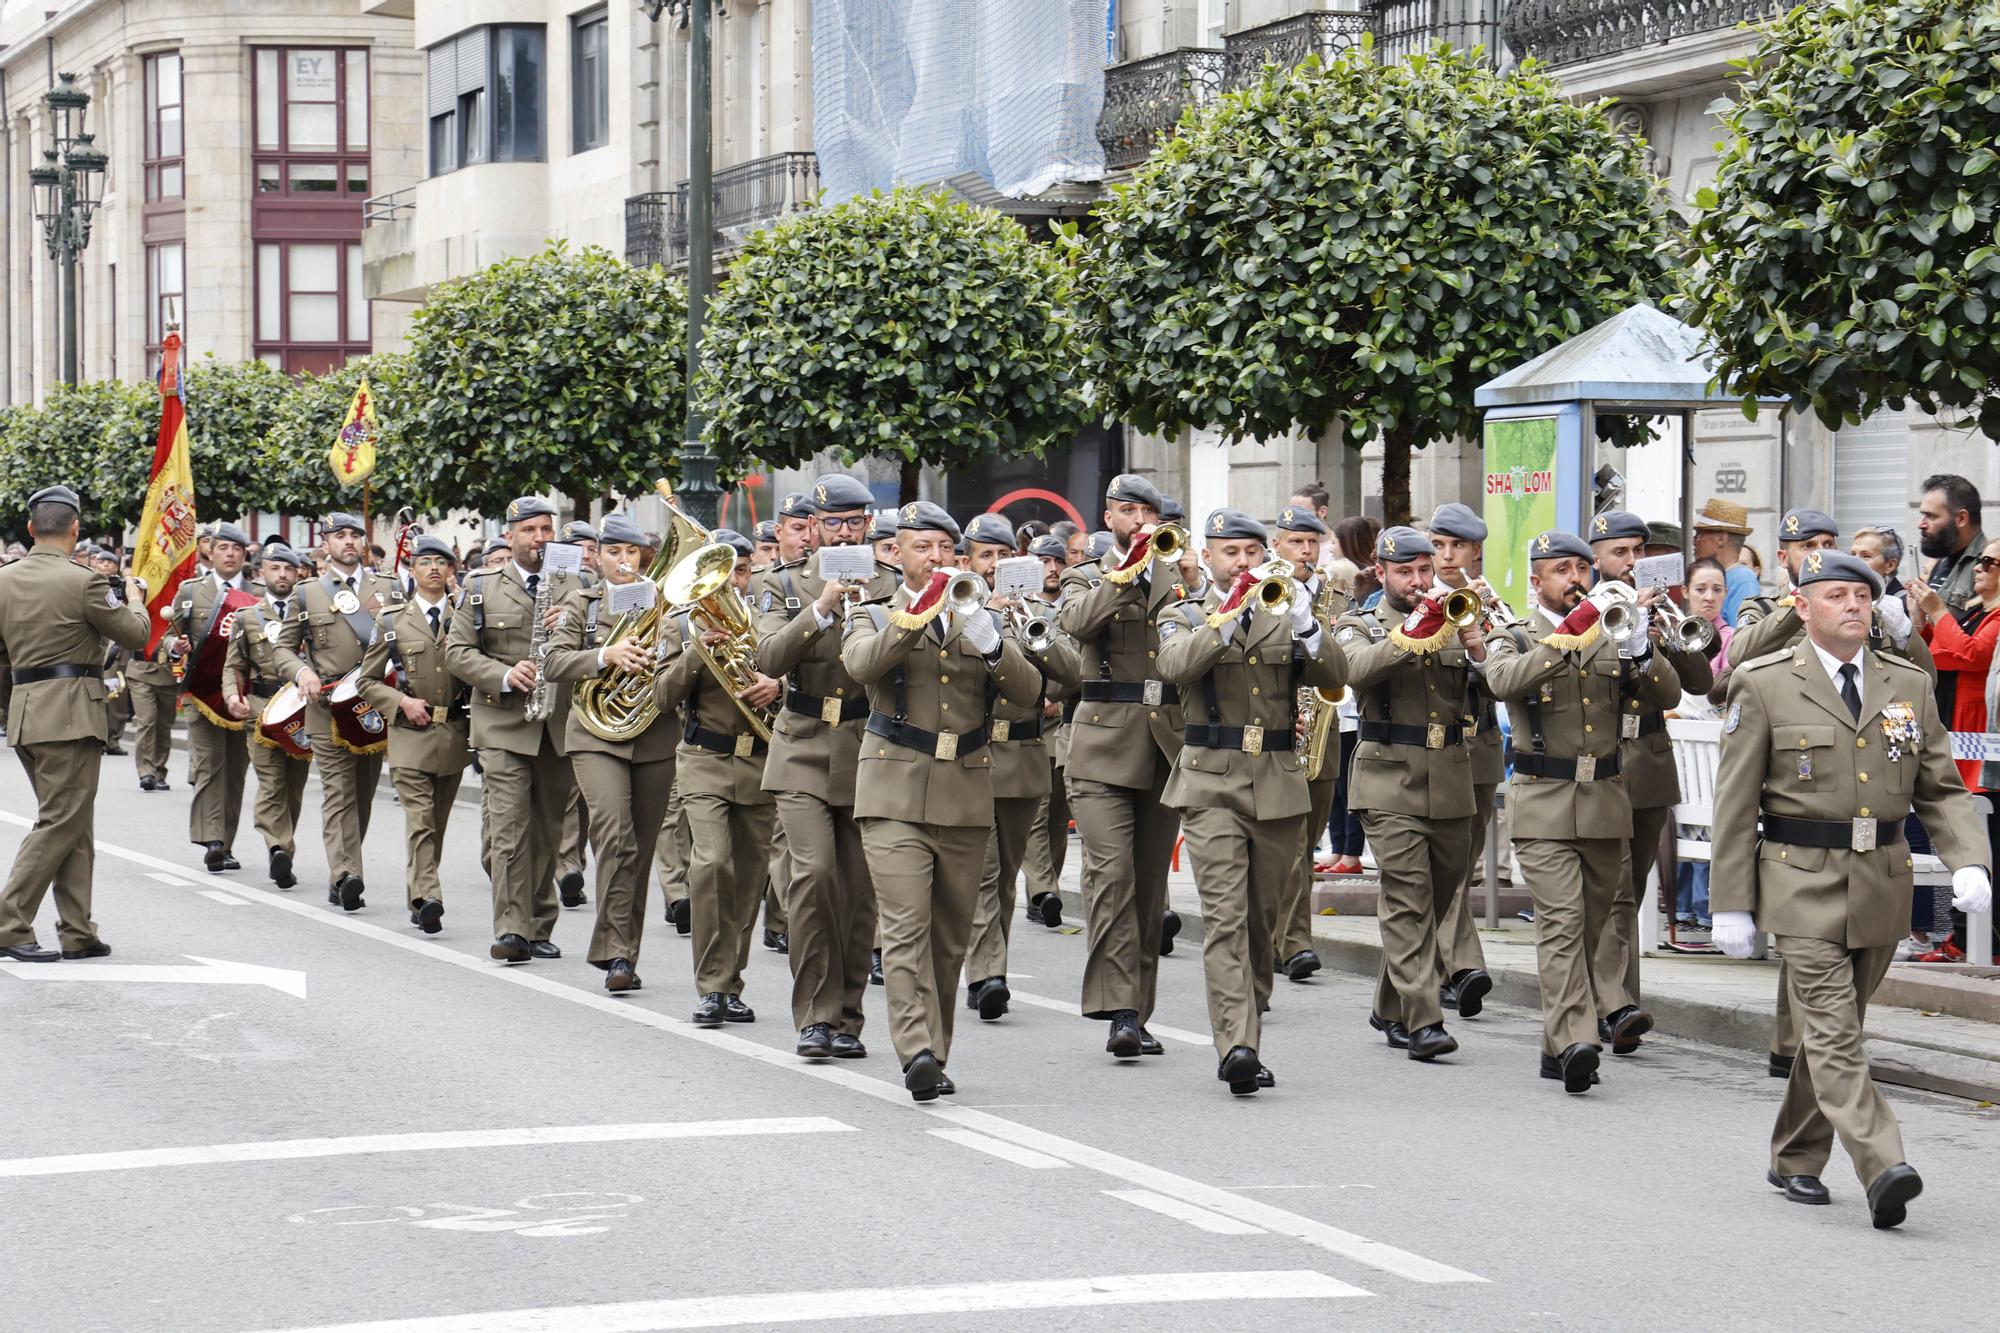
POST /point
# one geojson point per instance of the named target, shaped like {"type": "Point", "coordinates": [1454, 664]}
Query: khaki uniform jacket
{"type": "Point", "coordinates": [193, 607]}
{"type": "Point", "coordinates": [1021, 768]}
{"type": "Point", "coordinates": [1579, 698]}
{"type": "Point", "coordinates": [684, 682]}
{"type": "Point", "coordinates": [442, 746]}
{"type": "Point", "coordinates": [1117, 624]}
{"type": "Point", "coordinates": [1408, 689]}
{"type": "Point", "coordinates": [573, 649]}
{"type": "Point", "coordinates": [1764, 625]}
{"type": "Point", "coordinates": [945, 689]}
{"type": "Point", "coordinates": [1790, 747]}
{"type": "Point", "coordinates": [809, 755]}
{"type": "Point", "coordinates": [253, 662]}
{"type": "Point", "coordinates": [482, 657]}
{"type": "Point", "coordinates": [54, 612]}
{"type": "Point", "coordinates": [1256, 677]}
{"type": "Point", "coordinates": [1055, 731]}
{"type": "Point", "coordinates": [1646, 763]}
{"type": "Point", "coordinates": [320, 636]}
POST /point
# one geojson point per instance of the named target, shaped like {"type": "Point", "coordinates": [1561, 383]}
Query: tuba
{"type": "Point", "coordinates": [619, 705]}
{"type": "Point", "coordinates": [1316, 707]}
{"type": "Point", "coordinates": [701, 584]}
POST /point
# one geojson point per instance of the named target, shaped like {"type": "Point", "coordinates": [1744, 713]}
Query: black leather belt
{"type": "Point", "coordinates": [813, 705]}
{"type": "Point", "coordinates": [61, 671]}
{"type": "Point", "coordinates": [1859, 835]}
{"type": "Point", "coordinates": [1153, 692]}
{"type": "Point", "coordinates": [1568, 770]}
{"type": "Point", "coordinates": [1003, 731]}
{"type": "Point", "coordinates": [1433, 737]}
{"type": "Point", "coordinates": [1233, 738]}
{"type": "Point", "coordinates": [718, 742]}
{"type": "Point", "coordinates": [265, 688]}
{"type": "Point", "coordinates": [932, 743]}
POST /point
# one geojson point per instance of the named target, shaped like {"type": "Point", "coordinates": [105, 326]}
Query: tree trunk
{"type": "Point", "coordinates": [1397, 446]}
{"type": "Point", "coordinates": [906, 488]}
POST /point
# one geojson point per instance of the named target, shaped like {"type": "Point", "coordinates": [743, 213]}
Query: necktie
{"type": "Point", "coordinates": [534, 584]}
{"type": "Point", "coordinates": [280, 605]}
{"type": "Point", "coordinates": [434, 622]}
{"type": "Point", "coordinates": [348, 583]}
{"type": "Point", "coordinates": [1848, 693]}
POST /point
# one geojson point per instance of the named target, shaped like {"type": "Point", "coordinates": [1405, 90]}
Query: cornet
{"type": "Point", "coordinates": [1275, 587]}
{"type": "Point", "coordinates": [1617, 610]}
{"type": "Point", "coordinates": [1169, 542]}
{"type": "Point", "coordinates": [1462, 606]}
{"type": "Point", "coordinates": [965, 593]}
{"type": "Point", "coordinates": [1685, 633]}
{"type": "Point", "coordinates": [1036, 632]}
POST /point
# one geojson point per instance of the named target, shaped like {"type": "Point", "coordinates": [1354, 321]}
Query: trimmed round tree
{"type": "Point", "coordinates": [297, 478]}
{"type": "Point", "coordinates": [97, 437]}
{"type": "Point", "coordinates": [562, 370]}
{"type": "Point", "coordinates": [908, 324]}
{"type": "Point", "coordinates": [1363, 244]}
{"type": "Point", "coordinates": [1848, 246]}
{"type": "Point", "coordinates": [230, 408]}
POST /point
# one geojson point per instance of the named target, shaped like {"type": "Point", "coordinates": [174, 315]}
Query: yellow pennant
{"type": "Point", "coordinates": [352, 456]}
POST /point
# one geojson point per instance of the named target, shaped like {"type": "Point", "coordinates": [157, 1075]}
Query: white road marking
{"type": "Point", "coordinates": [279, 1150]}
{"type": "Point", "coordinates": [226, 899]}
{"type": "Point", "coordinates": [174, 880]}
{"type": "Point", "coordinates": [1347, 1244]}
{"type": "Point", "coordinates": [1028, 1157]}
{"type": "Point", "coordinates": [898, 1303]}
{"type": "Point", "coordinates": [207, 972]}
{"type": "Point", "coordinates": [1188, 1213]}
{"type": "Point", "coordinates": [1075, 1010]}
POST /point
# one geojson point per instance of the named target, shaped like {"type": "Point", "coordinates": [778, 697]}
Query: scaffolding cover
{"type": "Point", "coordinates": [922, 91]}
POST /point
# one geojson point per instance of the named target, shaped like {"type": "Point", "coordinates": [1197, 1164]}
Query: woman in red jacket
{"type": "Point", "coordinates": [1962, 645]}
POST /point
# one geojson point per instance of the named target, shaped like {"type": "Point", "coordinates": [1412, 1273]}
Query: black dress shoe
{"type": "Point", "coordinates": [509, 949]}
{"type": "Point", "coordinates": [1430, 1041]}
{"type": "Point", "coordinates": [569, 889]}
{"type": "Point", "coordinates": [947, 1088]}
{"type": "Point", "coordinates": [1889, 1195]}
{"type": "Point", "coordinates": [1150, 1044]}
{"type": "Point", "coordinates": [114, 749]}
{"type": "Point", "coordinates": [735, 1011]}
{"type": "Point", "coordinates": [1301, 965]}
{"type": "Point", "coordinates": [1577, 1067]}
{"type": "Point", "coordinates": [620, 977]}
{"type": "Point", "coordinates": [923, 1076]}
{"type": "Point", "coordinates": [847, 1046]}
{"type": "Point", "coordinates": [1471, 988]}
{"type": "Point", "coordinates": [147, 782]}
{"type": "Point", "coordinates": [350, 890]}
{"type": "Point", "coordinates": [229, 861]}
{"type": "Point", "coordinates": [1398, 1035]}
{"type": "Point", "coordinates": [1625, 1026]}
{"type": "Point", "coordinates": [213, 856]}
{"type": "Point", "coordinates": [1800, 1189]}
{"type": "Point", "coordinates": [281, 868]}
{"type": "Point", "coordinates": [816, 1042]}
{"type": "Point", "coordinates": [1046, 908]}
{"type": "Point", "coordinates": [712, 1012]}
{"type": "Point", "coordinates": [1552, 1068]}
{"type": "Point", "coordinates": [682, 915]}
{"type": "Point", "coordinates": [1779, 1066]}
{"type": "Point", "coordinates": [1447, 995]}
{"type": "Point", "coordinates": [875, 971]}
{"type": "Point", "coordinates": [990, 998]}
{"type": "Point", "coordinates": [774, 941]}
{"type": "Point", "coordinates": [1265, 1078]}
{"type": "Point", "coordinates": [29, 952]}
{"type": "Point", "coordinates": [1239, 1069]}
{"type": "Point", "coordinates": [94, 949]}
{"type": "Point", "coordinates": [428, 915]}
{"type": "Point", "coordinates": [1125, 1040]}
{"type": "Point", "coordinates": [1170, 926]}
{"type": "Point", "coordinates": [544, 949]}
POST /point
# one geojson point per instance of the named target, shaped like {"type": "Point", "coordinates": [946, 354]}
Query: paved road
{"type": "Point", "coordinates": [426, 1141]}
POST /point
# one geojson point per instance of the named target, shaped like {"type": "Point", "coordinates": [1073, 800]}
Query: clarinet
{"type": "Point", "coordinates": [542, 698]}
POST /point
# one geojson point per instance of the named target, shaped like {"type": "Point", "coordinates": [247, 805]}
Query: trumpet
{"type": "Point", "coordinates": [1499, 615]}
{"type": "Point", "coordinates": [1462, 606]}
{"type": "Point", "coordinates": [1617, 610]}
{"type": "Point", "coordinates": [1275, 587]}
{"type": "Point", "coordinates": [1685, 633]}
{"type": "Point", "coordinates": [1169, 542]}
{"type": "Point", "coordinates": [1037, 632]}
{"type": "Point", "coordinates": [965, 593]}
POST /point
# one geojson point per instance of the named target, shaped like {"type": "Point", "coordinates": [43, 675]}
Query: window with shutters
{"type": "Point", "coordinates": [485, 95]}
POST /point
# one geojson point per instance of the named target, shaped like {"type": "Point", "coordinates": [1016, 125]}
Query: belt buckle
{"type": "Point", "coordinates": [1628, 726]}
{"type": "Point", "coordinates": [947, 745]}
{"type": "Point", "coordinates": [1434, 736]}
{"type": "Point", "coordinates": [1253, 740]}
{"type": "Point", "coordinates": [1863, 837]}
{"type": "Point", "coordinates": [1151, 693]}
{"type": "Point", "coordinates": [829, 710]}
{"type": "Point", "coordinates": [1586, 768]}
{"type": "Point", "coordinates": [999, 729]}
{"type": "Point", "coordinates": [745, 741]}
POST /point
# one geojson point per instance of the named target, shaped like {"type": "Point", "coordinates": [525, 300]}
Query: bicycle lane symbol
{"type": "Point", "coordinates": [574, 1213]}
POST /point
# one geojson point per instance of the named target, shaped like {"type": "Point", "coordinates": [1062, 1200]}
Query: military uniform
{"type": "Point", "coordinates": [1048, 837]}
{"type": "Point", "coordinates": [1293, 936]}
{"type": "Point", "coordinates": [281, 778]}
{"type": "Point", "coordinates": [54, 616]}
{"type": "Point", "coordinates": [670, 863]}
{"type": "Point", "coordinates": [117, 707]}
{"type": "Point", "coordinates": [218, 751]}
{"type": "Point", "coordinates": [1461, 958]}
{"type": "Point", "coordinates": [155, 693]}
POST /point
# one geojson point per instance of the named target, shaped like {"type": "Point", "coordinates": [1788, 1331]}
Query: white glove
{"type": "Point", "coordinates": [1895, 620]}
{"type": "Point", "coordinates": [1640, 644]}
{"type": "Point", "coordinates": [981, 632]}
{"type": "Point", "coordinates": [1302, 614]}
{"type": "Point", "coordinates": [1971, 890]}
{"type": "Point", "coordinates": [1735, 933]}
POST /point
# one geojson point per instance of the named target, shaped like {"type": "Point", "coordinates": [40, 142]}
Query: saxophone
{"type": "Point", "coordinates": [1316, 707]}
{"type": "Point", "coordinates": [542, 696]}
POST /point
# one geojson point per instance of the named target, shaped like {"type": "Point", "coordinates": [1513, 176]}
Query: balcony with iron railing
{"type": "Point", "coordinates": [1289, 41]}
{"type": "Point", "coordinates": [1569, 32]}
{"type": "Point", "coordinates": [746, 198]}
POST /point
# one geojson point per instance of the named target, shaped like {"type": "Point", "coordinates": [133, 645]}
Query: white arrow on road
{"type": "Point", "coordinates": [209, 972]}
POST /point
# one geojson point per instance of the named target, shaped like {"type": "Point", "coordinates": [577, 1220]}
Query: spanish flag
{"type": "Point", "coordinates": [165, 553]}
{"type": "Point", "coordinates": [352, 457]}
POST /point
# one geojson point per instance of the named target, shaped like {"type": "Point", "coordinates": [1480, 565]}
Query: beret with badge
{"type": "Point", "coordinates": [1558, 545]}
{"type": "Point", "coordinates": [1617, 525]}
{"type": "Point", "coordinates": [837, 492]}
{"type": "Point", "coordinates": [1131, 488]}
{"type": "Point", "coordinates": [340, 521]}
{"type": "Point", "coordinates": [766, 532]}
{"type": "Point", "coordinates": [1838, 567]}
{"type": "Point", "coordinates": [736, 541]}
{"type": "Point", "coordinates": [1799, 524]}
{"type": "Point", "coordinates": [1298, 518]}
{"type": "Point", "coordinates": [576, 530]}
{"type": "Point", "coordinates": [1232, 525]}
{"type": "Point", "coordinates": [990, 530]}
{"type": "Point", "coordinates": [229, 532]}
{"type": "Point", "coordinates": [527, 507]}
{"type": "Point", "coordinates": [798, 504]}
{"type": "Point", "coordinates": [1049, 547]}
{"type": "Point", "coordinates": [1399, 545]}
{"type": "Point", "coordinates": [429, 545]}
{"type": "Point", "coordinates": [923, 516]}
{"type": "Point", "coordinates": [619, 529]}
{"type": "Point", "coordinates": [1457, 520]}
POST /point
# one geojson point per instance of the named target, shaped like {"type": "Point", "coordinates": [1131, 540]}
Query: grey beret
{"type": "Point", "coordinates": [881, 529]}
{"type": "Point", "coordinates": [61, 495]}
{"type": "Point", "coordinates": [576, 530]}
{"type": "Point", "coordinates": [1232, 525]}
{"type": "Point", "coordinates": [1049, 547]}
{"type": "Point", "coordinates": [1134, 489]}
{"type": "Point", "coordinates": [1400, 545]}
{"type": "Point", "coordinates": [429, 545]}
{"type": "Point", "coordinates": [621, 529]}
{"type": "Point", "coordinates": [837, 491]}
{"type": "Point", "coordinates": [1617, 525]}
{"type": "Point", "coordinates": [342, 522]}
{"type": "Point", "coordinates": [229, 532]}
{"type": "Point", "coordinates": [796, 505]}
{"type": "Point", "coordinates": [736, 540]}
{"type": "Point", "coordinates": [497, 544]}
{"type": "Point", "coordinates": [923, 516]}
{"type": "Point", "coordinates": [1800, 524]}
{"type": "Point", "coordinates": [1838, 567]}
{"type": "Point", "coordinates": [1457, 520]}
{"type": "Point", "coordinates": [1099, 545]}
{"type": "Point", "coordinates": [529, 506]}
{"type": "Point", "coordinates": [1556, 545]}
{"type": "Point", "coordinates": [285, 555]}
{"type": "Point", "coordinates": [765, 532]}
{"type": "Point", "coordinates": [1298, 518]}
{"type": "Point", "coordinates": [1172, 510]}
{"type": "Point", "coordinates": [991, 529]}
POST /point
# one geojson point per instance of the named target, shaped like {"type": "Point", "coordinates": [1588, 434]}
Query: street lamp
{"type": "Point", "coordinates": [67, 187]}
{"type": "Point", "coordinates": [698, 488]}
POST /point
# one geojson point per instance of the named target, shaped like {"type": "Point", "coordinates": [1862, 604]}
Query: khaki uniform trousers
{"type": "Point", "coordinates": [1572, 884]}
{"type": "Point", "coordinates": [729, 852]}
{"type": "Point", "coordinates": [426, 799]}
{"type": "Point", "coordinates": [59, 849]}
{"type": "Point", "coordinates": [993, 911]}
{"type": "Point", "coordinates": [1459, 949]}
{"type": "Point", "coordinates": [347, 784]}
{"type": "Point", "coordinates": [281, 795]}
{"type": "Point", "coordinates": [1785, 1030]}
{"type": "Point", "coordinates": [830, 904]}
{"type": "Point", "coordinates": [775, 883]}
{"type": "Point", "coordinates": [522, 817]}
{"type": "Point", "coordinates": [1128, 842]}
{"type": "Point", "coordinates": [926, 882]}
{"type": "Point", "coordinates": [670, 855]}
{"type": "Point", "coordinates": [1293, 934]}
{"type": "Point", "coordinates": [153, 726]}
{"type": "Point", "coordinates": [217, 761]}
{"type": "Point", "coordinates": [1241, 866]}
{"type": "Point", "coordinates": [1618, 947]}
{"type": "Point", "coordinates": [628, 806]}
{"type": "Point", "coordinates": [1421, 863]}
{"type": "Point", "coordinates": [1048, 841]}
{"type": "Point", "coordinates": [1830, 1091]}
{"type": "Point", "coordinates": [575, 834]}
{"type": "Point", "coordinates": [116, 711]}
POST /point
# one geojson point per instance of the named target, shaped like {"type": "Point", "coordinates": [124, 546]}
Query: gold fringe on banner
{"type": "Point", "coordinates": [915, 620]}
{"type": "Point", "coordinates": [1574, 643]}
{"type": "Point", "coordinates": [1431, 644]}
{"type": "Point", "coordinates": [217, 719]}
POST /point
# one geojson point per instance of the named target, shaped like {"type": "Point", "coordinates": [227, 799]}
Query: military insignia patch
{"type": "Point", "coordinates": [1603, 523]}
{"type": "Point", "coordinates": [1543, 543]}
{"type": "Point", "coordinates": [110, 598]}
{"type": "Point", "coordinates": [1169, 627]}
{"type": "Point", "coordinates": [1791, 525]}
{"type": "Point", "coordinates": [1347, 635]}
{"type": "Point", "coordinates": [1814, 559]}
{"type": "Point", "coordinates": [1216, 521]}
{"type": "Point", "coordinates": [909, 513]}
{"type": "Point", "coordinates": [819, 492]}
{"type": "Point", "coordinates": [1735, 719]}
{"type": "Point", "coordinates": [1285, 518]}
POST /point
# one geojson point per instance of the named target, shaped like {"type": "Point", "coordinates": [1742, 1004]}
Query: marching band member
{"type": "Point", "coordinates": [1048, 840]}
{"type": "Point", "coordinates": [1297, 537]}
{"type": "Point", "coordinates": [252, 674]}
{"type": "Point", "coordinates": [575, 838]}
{"type": "Point", "coordinates": [218, 753]}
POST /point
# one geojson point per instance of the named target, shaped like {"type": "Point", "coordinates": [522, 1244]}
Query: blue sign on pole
{"type": "Point", "coordinates": [1111, 32]}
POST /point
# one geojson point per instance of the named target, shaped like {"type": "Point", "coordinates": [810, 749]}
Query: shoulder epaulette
{"type": "Point", "coordinates": [1767, 659]}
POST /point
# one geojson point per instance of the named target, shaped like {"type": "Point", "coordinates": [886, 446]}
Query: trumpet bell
{"type": "Point", "coordinates": [965, 593]}
{"type": "Point", "coordinates": [1169, 541]}
{"type": "Point", "coordinates": [1619, 620]}
{"type": "Point", "coordinates": [1462, 606]}
{"type": "Point", "coordinates": [1275, 588]}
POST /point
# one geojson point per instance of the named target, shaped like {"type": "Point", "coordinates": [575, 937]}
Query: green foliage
{"type": "Point", "coordinates": [564, 370]}
{"type": "Point", "coordinates": [308, 419]}
{"type": "Point", "coordinates": [1364, 244]}
{"type": "Point", "coordinates": [908, 324]}
{"type": "Point", "coordinates": [96, 437]}
{"type": "Point", "coordinates": [1849, 248]}
{"type": "Point", "coordinates": [230, 408]}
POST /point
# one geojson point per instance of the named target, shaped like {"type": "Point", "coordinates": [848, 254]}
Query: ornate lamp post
{"type": "Point", "coordinates": [698, 489]}
{"type": "Point", "coordinates": [67, 185]}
